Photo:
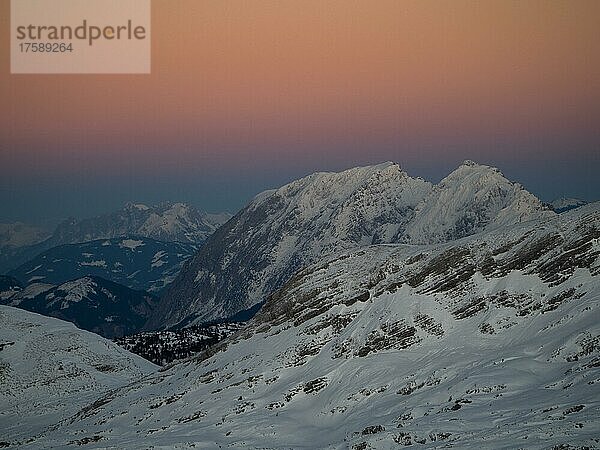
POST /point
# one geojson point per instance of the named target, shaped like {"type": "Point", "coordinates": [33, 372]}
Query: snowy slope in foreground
{"type": "Point", "coordinates": [49, 369]}
{"type": "Point", "coordinates": [492, 341]}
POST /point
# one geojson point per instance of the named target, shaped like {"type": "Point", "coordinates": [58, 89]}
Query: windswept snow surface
{"type": "Point", "coordinates": [49, 370]}
{"type": "Point", "coordinates": [491, 341]}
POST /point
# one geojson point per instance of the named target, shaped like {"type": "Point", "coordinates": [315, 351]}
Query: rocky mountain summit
{"type": "Point", "coordinates": [284, 230]}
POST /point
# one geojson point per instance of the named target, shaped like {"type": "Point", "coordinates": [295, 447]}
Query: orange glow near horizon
{"type": "Point", "coordinates": [287, 79]}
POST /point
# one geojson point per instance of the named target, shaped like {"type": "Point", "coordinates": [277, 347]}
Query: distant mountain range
{"type": "Point", "coordinates": [136, 262]}
{"type": "Point", "coordinates": [18, 234]}
{"type": "Point", "coordinates": [563, 204]}
{"type": "Point", "coordinates": [92, 303]}
{"type": "Point", "coordinates": [168, 222]}
{"type": "Point", "coordinates": [96, 272]}
{"type": "Point", "coordinates": [284, 230]}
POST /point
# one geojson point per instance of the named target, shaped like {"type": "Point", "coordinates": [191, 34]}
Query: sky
{"type": "Point", "coordinates": [248, 95]}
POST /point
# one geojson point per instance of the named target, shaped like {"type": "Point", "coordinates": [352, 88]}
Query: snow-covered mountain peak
{"type": "Point", "coordinates": [136, 206]}
{"type": "Point", "coordinates": [476, 165]}
{"type": "Point", "coordinates": [321, 184]}
{"type": "Point", "coordinates": [331, 189]}
{"type": "Point", "coordinates": [472, 169]}
{"type": "Point", "coordinates": [468, 162]}
{"type": "Point", "coordinates": [324, 194]}
{"type": "Point", "coordinates": [179, 208]}
{"type": "Point", "coordinates": [174, 207]}
{"type": "Point", "coordinates": [472, 198]}
{"type": "Point", "coordinates": [283, 230]}
{"type": "Point", "coordinates": [476, 181]}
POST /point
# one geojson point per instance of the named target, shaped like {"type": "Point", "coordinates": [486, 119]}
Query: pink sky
{"type": "Point", "coordinates": [280, 87]}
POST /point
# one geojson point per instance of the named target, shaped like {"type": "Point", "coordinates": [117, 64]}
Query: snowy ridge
{"type": "Point", "coordinates": [491, 341]}
{"type": "Point", "coordinates": [471, 199]}
{"type": "Point", "coordinates": [49, 370]}
{"type": "Point", "coordinates": [284, 230]}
